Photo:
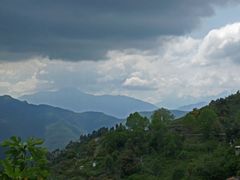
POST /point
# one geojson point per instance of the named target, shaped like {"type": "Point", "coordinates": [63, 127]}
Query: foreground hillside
{"type": "Point", "coordinates": [75, 100]}
{"type": "Point", "coordinates": [199, 146]}
{"type": "Point", "coordinates": [57, 126]}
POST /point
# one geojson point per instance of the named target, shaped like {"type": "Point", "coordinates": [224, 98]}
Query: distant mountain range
{"type": "Point", "coordinates": [75, 100]}
{"type": "Point", "coordinates": [57, 126]}
{"type": "Point", "coordinates": [190, 107]}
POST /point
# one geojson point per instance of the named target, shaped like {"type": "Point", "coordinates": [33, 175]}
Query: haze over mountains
{"type": "Point", "coordinates": [57, 126]}
{"type": "Point", "coordinates": [190, 107]}
{"type": "Point", "coordinates": [76, 100]}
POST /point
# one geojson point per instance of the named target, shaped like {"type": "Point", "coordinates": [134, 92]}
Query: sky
{"type": "Point", "coordinates": [167, 52]}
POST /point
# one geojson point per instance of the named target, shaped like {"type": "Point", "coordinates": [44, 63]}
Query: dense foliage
{"type": "Point", "coordinates": [24, 160]}
{"type": "Point", "coordinates": [200, 145]}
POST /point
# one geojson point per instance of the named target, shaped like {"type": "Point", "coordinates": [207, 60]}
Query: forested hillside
{"type": "Point", "coordinates": [55, 125]}
{"type": "Point", "coordinates": [200, 145]}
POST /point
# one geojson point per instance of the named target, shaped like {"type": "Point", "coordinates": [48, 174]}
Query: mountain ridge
{"type": "Point", "coordinates": [23, 119]}
{"type": "Point", "coordinates": [78, 101]}
{"type": "Point", "coordinates": [190, 107]}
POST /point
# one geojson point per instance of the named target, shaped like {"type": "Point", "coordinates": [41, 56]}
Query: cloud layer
{"type": "Point", "coordinates": [180, 67]}
{"type": "Point", "coordinates": [87, 29]}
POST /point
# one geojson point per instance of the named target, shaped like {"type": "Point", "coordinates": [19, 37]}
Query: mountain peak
{"type": "Point", "coordinates": [7, 98]}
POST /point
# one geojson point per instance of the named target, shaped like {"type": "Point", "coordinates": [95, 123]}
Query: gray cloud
{"type": "Point", "coordinates": [86, 29]}
{"type": "Point", "coordinates": [187, 70]}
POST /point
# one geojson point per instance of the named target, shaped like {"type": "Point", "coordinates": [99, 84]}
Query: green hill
{"type": "Point", "coordinates": [57, 126]}
{"type": "Point", "coordinates": [199, 146]}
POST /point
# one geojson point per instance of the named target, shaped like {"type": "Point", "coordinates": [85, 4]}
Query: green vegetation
{"type": "Point", "coordinates": [59, 134]}
{"type": "Point", "coordinates": [56, 126]}
{"type": "Point", "coordinates": [24, 160]}
{"type": "Point", "coordinates": [199, 146]}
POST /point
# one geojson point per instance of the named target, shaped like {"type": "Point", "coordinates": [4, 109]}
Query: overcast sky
{"type": "Point", "coordinates": [168, 52]}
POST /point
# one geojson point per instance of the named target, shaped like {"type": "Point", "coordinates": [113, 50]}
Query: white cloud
{"type": "Point", "coordinates": [176, 67]}
{"type": "Point", "coordinates": [179, 68]}
{"type": "Point", "coordinates": [137, 83]}
{"type": "Point", "coordinates": [220, 44]}
{"type": "Point", "coordinates": [17, 78]}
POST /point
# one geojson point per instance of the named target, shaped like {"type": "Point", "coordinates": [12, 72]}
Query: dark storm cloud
{"type": "Point", "coordinates": [86, 29]}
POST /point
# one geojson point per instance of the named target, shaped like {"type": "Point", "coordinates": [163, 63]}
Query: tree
{"type": "Point", "coordinates": [208, 122]}
{"type": "Point", "coordinates": [136, 122]}
{"type": "Point", "coordinates": [24, 160]}
{"type": "Point", "coordinates": [115, 141]}
{"type": "Point", "coordinates": [109, 164]}
{"type": "Point", "coordinates": [161, 117]}
{"type": "Point", "coordinates": [130, 164]}
{"type": "Point", "coordinates": [232, 127]}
